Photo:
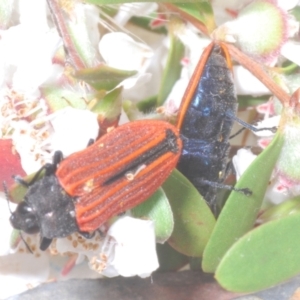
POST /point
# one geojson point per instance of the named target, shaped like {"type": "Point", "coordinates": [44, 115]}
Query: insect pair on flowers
{"type": "Point", "coordinates": [127, 165]}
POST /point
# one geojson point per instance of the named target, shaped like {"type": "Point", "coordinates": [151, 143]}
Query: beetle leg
{"type": "Point", "coordinates": [237, 133]}
{"type": "Point", "coordinates": [50, 169]}
{"type": "Point", "coordinates": [231, 115]}
{"type": "Point", "coordinates": [57, 158]}
{"type": "Point", "coordinates": [245, 191]}
{"type": "Point", "coordinates": [45, 243]}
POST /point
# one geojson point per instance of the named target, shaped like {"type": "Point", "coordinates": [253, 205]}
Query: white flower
{"type": "Point", "coordinates": [173, 101]}
{"type": "Point", "coordinates": [27, 50]}
{"type": "Point", "coordinates": [128, 249]}
{"type": "Point", "coordinates": [72, 129]}
{"type": "Point", "coordinates": [128, 10]}
{"type": "Point", "coordinates": [120, 51]}
{"type": "Point", "coordinates": [246, 83]}
{"type": "Point", "coordinates": [271, 122]}
{"type": "Point", "coordinates": [291, 51]}
{"type": "Point", "coordinates": [194, 44]}
{"type": "Point", "coordinates": [68, 130]}
{"type": "Point", "coordinates": [241, 161]}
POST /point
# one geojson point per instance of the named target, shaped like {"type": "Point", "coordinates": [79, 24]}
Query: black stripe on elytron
{"type": "Point", "coordinates": [168, 144]}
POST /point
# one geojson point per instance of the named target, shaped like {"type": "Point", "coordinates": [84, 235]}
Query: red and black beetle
{"type": "Point", "coordinates": [120, 170]}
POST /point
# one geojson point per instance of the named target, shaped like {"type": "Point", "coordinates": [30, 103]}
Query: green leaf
{"type": "Point", "coordinates": [195, 263]}
{"type": "Point", "coordinates": [284, 209]}
{"type": "Point", "coordinates": [262, 258]}
{"type": "Point", "coordinates": [200, 10]}
{"type": "Point", "coordinates": [61, 97]}
{"type": "Point", "coordinates": [14, 238]}
{"type": "Point", "coordinates": [109, 108]}
{"type": "Point", "coordinates": [296, 12]}
{"type": "Point", "coordinates": [169, 259]}
{"type": "Point", "coordinates": [144, 22]}
{"type": "Point", "coordinates": [17, 191]}
{"type": "Point", "coordinates": [248, 100]}
{"type": "Point", "coordinates": [147, 105]}
{"type": "Point", "coordinates": [157, 208]}
{"type": "Point", "coordinates": [172, 69]}
{"type": "Point", "coordinates": [103, 77]}
{"type": "Point", "coordinates": [240, 211]}
{"type": "Point", "coordinates": [194, 220]}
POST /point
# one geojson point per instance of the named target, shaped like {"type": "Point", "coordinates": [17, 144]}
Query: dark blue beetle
{"type": "Point", "coordinates": [205, 120]}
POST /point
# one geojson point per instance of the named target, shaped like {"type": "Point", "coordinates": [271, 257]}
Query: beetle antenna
{"type": "Point", "coordinates": [6, 193]}
{"type": "Point", "coordinates": [23, 239]}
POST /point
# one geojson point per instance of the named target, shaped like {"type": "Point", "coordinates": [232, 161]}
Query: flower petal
{"type": "Point", "coordinates": [241, 161]}
{"type": "Point", "coordinates": [120, 51]}
{"type": "Point", "coordinates": [129, 248]}
{"type": "Point", "coordinates": [73, 128]}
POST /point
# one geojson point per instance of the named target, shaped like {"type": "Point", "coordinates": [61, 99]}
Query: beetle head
{"type": "Point", "coordinates": [24, 218]}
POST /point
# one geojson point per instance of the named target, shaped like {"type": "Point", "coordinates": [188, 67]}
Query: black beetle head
{"type": "Point", "coordinates": [25, 219]}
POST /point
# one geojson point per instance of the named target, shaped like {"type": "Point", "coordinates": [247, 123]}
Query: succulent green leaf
{"type": "Point", "coordinates": [147, 105]}
{"type": "Point", "coordinates": [169, 259]}
{"type": "Point", "coordinates": [109, 108]}
{"type": "Point", "coordinates": [172, 69]}
{"type": "Point", "coordinates": [14, 238]}
{"type": "Point", "coordinates": [284, 209]}
{"type": "Point", "coordinates": [240, 211]}
{"type": "Point", "coordinates": [296, 12]}
{"type": "Point", "coordinates": [18, 191]}
{"type": "Point", "coordinates": [103, 77]}
{"type": "Point", "coordinates": [193, 218]}
{"type": "Point", "coordinates": [264, 257]}
{"type": "Point", "coordinates": [248, 100]}
{"type": "Point", "coordinates": [144, 22]}
{"type": "Point", "coordinates": [157, 208]}
{"type": "Point", "coordinates": [200, 10]}
{"type": "Point", "coordinates": [61, 97]}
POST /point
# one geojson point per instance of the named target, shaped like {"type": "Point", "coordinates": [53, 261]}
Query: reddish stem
{"type": "Point", "coordinates": [198, 24]}
{"type": "Point", "coordinates": [256, 69]}
{"type": "Point", "coordinates": [61, 24]}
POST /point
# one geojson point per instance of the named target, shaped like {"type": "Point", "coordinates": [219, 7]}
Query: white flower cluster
{"type": "Point", "coordinates": [31, 59]}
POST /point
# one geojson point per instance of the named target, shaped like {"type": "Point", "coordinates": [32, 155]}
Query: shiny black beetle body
{"type": "Point", "coordinates": [205, 121]}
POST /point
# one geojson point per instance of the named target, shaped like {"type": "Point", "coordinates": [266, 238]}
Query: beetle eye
{"type": "Point", "coordinates": [24, 218]}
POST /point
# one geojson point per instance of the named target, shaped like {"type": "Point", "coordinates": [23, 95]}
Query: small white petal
{"type": "Point", "coordinates": [267, 123]}
{"type": "Point", "coordinates": [128, 10]}
{"type": "Point", "coordinates": [277, 193]}
{"type": "Point", "coordinates": [241, 161]}
{"type": "Point", "coordinates": [130, 248]}
{"type": "Point", "coordinates": [246, 83]}
{"type": "Point", "coordinates": [136, 81]}
{"type": "Point", "coordinates": [25, 143]}
{"type": "Point", "coordinates": [33, 18]}
{"type": "Point", "coordinates": [120, 51]}
{"type": "Point", "coordinates": [287, 5]}
{"type": "Point", "coordinates": [173, 101]}
{"type": "Point", "coordinates": [291, 51]}
{"type": "Point", "coordinates": [73, 128]}
{"type": "Point", "coordinates": [36, 64]}
{"type": "Point", "coordinates": [75, 243]}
